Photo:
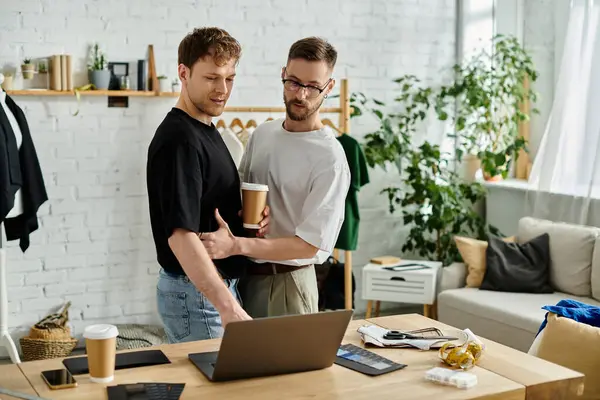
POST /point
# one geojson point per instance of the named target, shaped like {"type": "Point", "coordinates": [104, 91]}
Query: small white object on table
{"type": "Point", "coordinates": [407, 283]}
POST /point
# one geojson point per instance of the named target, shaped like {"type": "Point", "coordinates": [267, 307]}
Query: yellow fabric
{"type": "Point", "coordinates": [472, 252]}
{"type": "Point", "coordinates": [575, 346]}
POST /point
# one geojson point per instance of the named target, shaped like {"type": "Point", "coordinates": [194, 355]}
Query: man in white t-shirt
{"type": "Point", "coordinates": [306, 170]}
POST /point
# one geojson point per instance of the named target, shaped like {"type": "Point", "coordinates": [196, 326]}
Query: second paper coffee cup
{"type": "Point", "coordinates": [254, 201]}
{"type": "Point", "coordinates": [101, 346]}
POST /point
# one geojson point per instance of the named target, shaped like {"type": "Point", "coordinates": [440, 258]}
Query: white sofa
{"type": "Point", "coordinates": [513, 319]}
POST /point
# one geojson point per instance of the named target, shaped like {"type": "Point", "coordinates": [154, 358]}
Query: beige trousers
{"type": "Point", "coordinates": [288, 293]}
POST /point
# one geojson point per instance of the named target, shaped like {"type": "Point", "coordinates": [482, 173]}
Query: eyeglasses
{"type": "Point", "coordinates": [311, 91]}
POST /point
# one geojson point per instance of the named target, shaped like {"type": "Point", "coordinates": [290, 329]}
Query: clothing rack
{"type": "Point", "coordinates": [344, 111]}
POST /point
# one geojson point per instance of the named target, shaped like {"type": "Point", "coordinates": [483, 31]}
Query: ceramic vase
{"type": "Point", "coordinates": [99, 78]}
{"type": "Point", "coordinates": [164, 85]}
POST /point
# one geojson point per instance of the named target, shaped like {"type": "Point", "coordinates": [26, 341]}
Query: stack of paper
{"type": "Point", "coordinates": [374, 334]}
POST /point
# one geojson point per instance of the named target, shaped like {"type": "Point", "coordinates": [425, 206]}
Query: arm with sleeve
{"type": "Point", "coordinates": [180, 195]}
{"type": "Point", "coordinates": [182, 189]}
{"type": "Point", "coordinates": [323, 209]}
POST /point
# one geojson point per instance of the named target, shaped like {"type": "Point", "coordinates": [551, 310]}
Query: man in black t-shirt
{"type": "Point", "coordinates": [190, 174]}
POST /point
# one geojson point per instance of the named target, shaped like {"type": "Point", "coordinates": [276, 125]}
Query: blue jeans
{"type": "Point", "coordinates": [187, 315]}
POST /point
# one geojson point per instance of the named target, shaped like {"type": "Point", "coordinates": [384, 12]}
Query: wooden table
{"type": "Point", "coordinates": [542, 379]}
{"type": "Point", "coordinates": [502, 374]}
{"type": "Point", "coordinates": [12, 378]}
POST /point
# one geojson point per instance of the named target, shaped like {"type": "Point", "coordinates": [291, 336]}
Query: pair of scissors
{"type": "Point", "coordinates": [397, 335]}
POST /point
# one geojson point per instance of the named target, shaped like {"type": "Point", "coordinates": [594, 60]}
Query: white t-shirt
{"type": "Point", "coordinates": [308, 178]}
{"type": "Point", "coordinates": [234, 145]}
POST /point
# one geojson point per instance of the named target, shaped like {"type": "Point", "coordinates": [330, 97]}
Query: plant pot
{"type": "Point", "coordinates": [28, 70]}
{"type": "Point", "coordinates": [469, 166]}
{"type": "Point", "coordinates": [489, 178]}
{"type": "Point", "coordinates": [164, 85]}
{"type": "Point", "coordinates": [99, 78]}
{"type": "Point", "coordinates": [8, 82]}
{"type": "Point", "coordinates": [506, 167]}
{"type": "Point", "coordinates": [176, 87]}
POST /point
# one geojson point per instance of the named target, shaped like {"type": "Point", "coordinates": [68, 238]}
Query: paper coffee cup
{"type": "Point", "coordinates": [101, 345]}
{"type": "Point", "coordinates": [254, 201]}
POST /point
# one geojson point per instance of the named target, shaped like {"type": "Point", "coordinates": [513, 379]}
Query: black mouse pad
{"type": "Point", "coordinates": [79, 365]}
{"type": "Point", "coordinates": [146, 391]}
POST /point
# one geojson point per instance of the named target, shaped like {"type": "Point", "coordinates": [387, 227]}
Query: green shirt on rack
{"type": "Point", "coordinates": [359, 176]}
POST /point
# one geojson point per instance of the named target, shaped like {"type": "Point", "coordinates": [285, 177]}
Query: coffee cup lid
{"type": "Point", "coordinates": [100, 331]}
{"type": "Point", "coordinates": [255, 186]}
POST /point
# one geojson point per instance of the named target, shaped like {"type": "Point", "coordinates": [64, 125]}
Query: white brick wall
{"type": "Point", "coordinates": [94, 245]}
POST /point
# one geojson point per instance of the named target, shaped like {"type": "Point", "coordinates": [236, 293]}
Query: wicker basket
{"type": "Point", "coordinates": [41, 349]}
{"type": "Point", "coordinates": [49, 338]}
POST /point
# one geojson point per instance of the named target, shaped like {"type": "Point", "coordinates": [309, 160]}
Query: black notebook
{"type": "Point", "coordinates": [144, 358]}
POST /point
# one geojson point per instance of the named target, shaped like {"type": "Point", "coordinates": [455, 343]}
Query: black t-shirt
{"type": "Point", "coordinates": [190, 172]}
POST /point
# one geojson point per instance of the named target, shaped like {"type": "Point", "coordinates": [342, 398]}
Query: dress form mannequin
{"type": "Point", "coordinates": [5, 338]}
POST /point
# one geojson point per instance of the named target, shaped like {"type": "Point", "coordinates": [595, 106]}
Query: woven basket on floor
{"type": "Point", "coordinates": [49, 338]}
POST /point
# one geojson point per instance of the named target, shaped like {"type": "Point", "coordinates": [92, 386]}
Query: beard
{"type": "Point", "coordinates": [302, 114]}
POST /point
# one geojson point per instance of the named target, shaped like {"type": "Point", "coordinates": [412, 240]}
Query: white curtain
{"type": "Point", "coordinates": [564, 184]}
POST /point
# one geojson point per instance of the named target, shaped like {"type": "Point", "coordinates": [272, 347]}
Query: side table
{"type": "Point", "coordinates": [412, 281]}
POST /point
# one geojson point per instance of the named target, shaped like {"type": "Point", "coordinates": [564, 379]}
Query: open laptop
{"type": "Point", "coordinates": [275, 346]}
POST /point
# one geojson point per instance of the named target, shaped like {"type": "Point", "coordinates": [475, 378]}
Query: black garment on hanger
{"type": "Point", "coordinates": [19, 169]}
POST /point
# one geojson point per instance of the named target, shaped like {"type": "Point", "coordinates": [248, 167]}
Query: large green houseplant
{"type": "Point", "coordinates": [435, 202]}
{"type": "Point", "coordinates": [485, 99]}
{"type": "Point", "coordinates": [482, 101]}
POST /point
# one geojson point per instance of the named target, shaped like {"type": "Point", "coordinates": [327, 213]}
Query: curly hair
{"type": "Point", "coordinates": [208, 41]}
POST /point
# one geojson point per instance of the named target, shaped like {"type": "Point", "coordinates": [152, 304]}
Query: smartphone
{"type": "Point", "coordinates": [59, 379]}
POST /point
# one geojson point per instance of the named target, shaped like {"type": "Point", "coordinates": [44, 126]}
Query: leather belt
{"type": "Point", "coordinates": [272, 268]}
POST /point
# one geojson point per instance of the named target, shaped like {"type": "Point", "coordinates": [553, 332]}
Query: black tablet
{"type": "Point", "coordinates": [144, 358]}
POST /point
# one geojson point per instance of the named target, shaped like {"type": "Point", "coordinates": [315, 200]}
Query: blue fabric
{"type": "Point", "coordinates": [575, 310]}
{"type": "Point", "coordinates": [187, 315]}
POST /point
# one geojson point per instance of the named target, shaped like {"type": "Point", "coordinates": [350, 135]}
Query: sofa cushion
{"type": "Point", "coordinates": [571, 251]}
{"type": "Point", "coordinates": [472, 251]}
{"type": "Point", "coordinates": [519, 310]}
{"type": "Point", "coordinates": [498, 331]}
{"type": "Point", "coordinates": [575, 346]}
{"type": "Point", "coordinates": [515, 267]}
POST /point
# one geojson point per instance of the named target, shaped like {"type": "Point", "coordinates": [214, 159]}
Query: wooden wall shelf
{"type": "Point", "coordinates": [121, 93]}
{"type": "Point", "coordinates": [136, 93]}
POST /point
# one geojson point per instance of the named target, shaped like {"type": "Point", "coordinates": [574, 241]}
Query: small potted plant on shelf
{"type": "Point", "coordinates": [98, 72]}
{"type": "Point", "coordinates": [28, 68]}
{"type": "Point", "coordinates": [43, 66]}
{"type": "Point", "coordinates": [163, 83]}
{"type": "Point", "coordinates": [176, 86]}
